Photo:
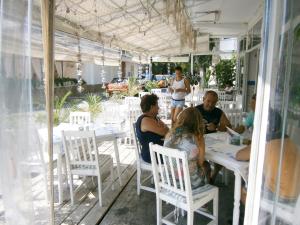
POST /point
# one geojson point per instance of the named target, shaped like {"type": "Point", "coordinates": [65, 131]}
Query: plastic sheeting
{"type": "Point", "coordinates": [23, 168]}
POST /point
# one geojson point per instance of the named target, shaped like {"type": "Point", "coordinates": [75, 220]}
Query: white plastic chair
{"type": "Point", "coordinates": [83, 159]}
{"type": "Point", "coordinates": [141, 94]}
{"type": "Point", "coordinates": [173, 185]}
{"type": "Point", "coordinates": [156, 91]}
{"type": "Point", "coordinates": [80, 118]}
{"type": "Point", "coordinates": [227, 105]}
{"type": "Point", "coordinates": [235, 116]}
{"type": "Point", "coordinates": [141, 165]}
{"type": "Point", "coordinates": [164, 103]}
{"type": "Point", "coordinates": [222, 95]}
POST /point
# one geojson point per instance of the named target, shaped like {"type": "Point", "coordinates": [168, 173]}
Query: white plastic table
{"type": "Point", "coordinates": [103, 133]}
{"type": "Point", "coordinates": [219, 151]}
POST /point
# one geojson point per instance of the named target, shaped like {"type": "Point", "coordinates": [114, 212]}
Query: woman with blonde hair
{"type": "Point", "coordinates": [187, 135]}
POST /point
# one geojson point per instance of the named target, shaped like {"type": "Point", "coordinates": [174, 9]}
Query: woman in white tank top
{"type": "Point", "coordinates": [179, 89]}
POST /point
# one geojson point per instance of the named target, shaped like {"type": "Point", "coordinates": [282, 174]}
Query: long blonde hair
{"type": "Point", "coordinates": [189, 121]}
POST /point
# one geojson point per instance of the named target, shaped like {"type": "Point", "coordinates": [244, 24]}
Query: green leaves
{"type": "Point", "coordinates": [133, 86]}
{"type": "Point", "coordinates": [225, 72]}
{"type": "Point", "coordinates": [94, 102]}
{"type": "Point", "coordinates": [151, 85]}
{"type": "Point", "coordinates": [60, 113]}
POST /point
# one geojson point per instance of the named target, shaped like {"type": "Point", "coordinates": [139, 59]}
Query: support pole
{"type": "Point", "coordinates": [47, 17]}
{"type": "Point", "coordinates": [150, 68]}
{"type": "Point", "coordinates": [192, 64]}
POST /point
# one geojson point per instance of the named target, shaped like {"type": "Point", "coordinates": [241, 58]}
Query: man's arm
{"type": "Point", "coordinates": [224, 122]}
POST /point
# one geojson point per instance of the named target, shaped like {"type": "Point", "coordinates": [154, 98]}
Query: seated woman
{"type": "Point", "coordinates": [148, 127]}
{"type": "Point", "coordinates": [187, 135]}
{"type": "Point", "coordinates": [250, 117]}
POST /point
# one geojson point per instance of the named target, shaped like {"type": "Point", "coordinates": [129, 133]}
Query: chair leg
{"type": "Point", "coordinates": [190, 217]}
{"type": "Point", "coordinates": [216, 207]}
{"type": "Point", "coordinates": [100, 190]}
{"type": "Point", "coordinates": [159, 211]}
{"type": "Point", "coordinates": [71, 188]}
{"type": "Point", "coordinates": [112, 176]}
{"type": "Point", "coordinates": [138, 179]}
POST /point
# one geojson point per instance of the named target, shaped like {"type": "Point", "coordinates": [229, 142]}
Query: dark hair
{"type": "Point", "coordinates": [211, 92]}
{"type": "Point", "coordinates": [147, 101]}
{"type": "Point", "coordinates": [178, 68]}
{"type": "Point", "coordinates": [253, 97]}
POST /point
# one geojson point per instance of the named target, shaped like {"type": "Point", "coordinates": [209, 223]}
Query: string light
{"type": "Point", "coordinates": [80, 88]}
{"type": "Point", "coordinates": [102, 70]}
{"type": "Point", "coordinates": [120, 69]}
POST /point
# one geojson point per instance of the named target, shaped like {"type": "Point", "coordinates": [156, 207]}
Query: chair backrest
{"type": "Point", "coordinates": [132, 103]}
{"type": "Point", "coordinates": [141, 94]}
{"type": "Point", "coordinates": [228, 105]}
{"type": "Point", "coordinates": [235, 116]}
{"type": "Point", "coordinates": [80, 118]}
{"type": "Point", "coordinates": [156, 91]}
{"type": "Point", "coordinates": [137, 143]}
{"type": "Point", "coordinates": [222, 95]}
{"type": "Point", "coordinates": [81, 149]}
{"type": "Point", "coordinates": [170, 171]}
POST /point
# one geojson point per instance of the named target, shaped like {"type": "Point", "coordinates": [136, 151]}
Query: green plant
{"type": "Point", "coordinates": [61, 114]}
{"type": "Point", "coordinates": [225, 72]}
{"type": "Point", "coordinates": [202, 62]}
{"type": "Point", "coordinates": [194, 79]}
{"type": "Point", "coordinates": [94, 102]}
{"type": "Point", "coordinates": [206, 77]}
{"type": "Point", "coordinates": [151, 85]}
{"type": "Point", "coordinates": [133, 86]}
{"type": "Point", "coordinates": [117, 97]}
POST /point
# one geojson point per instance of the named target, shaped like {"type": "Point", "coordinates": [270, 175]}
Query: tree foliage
{"type": "Point", "coordinates": [226, 72]}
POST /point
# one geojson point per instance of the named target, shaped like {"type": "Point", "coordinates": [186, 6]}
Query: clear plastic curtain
{"type": "Point", "coordinates": [23, 168]}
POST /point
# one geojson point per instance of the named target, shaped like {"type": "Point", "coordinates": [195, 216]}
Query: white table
{"type": "Point", "coordinates": [103, 133]}
{"type": "Point", "coordinates": [219, 151]}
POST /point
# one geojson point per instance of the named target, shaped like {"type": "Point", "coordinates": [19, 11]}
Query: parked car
{"type": "Point", "coordinates": [117, 85]}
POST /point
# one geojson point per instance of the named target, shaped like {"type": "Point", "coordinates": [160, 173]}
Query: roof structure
{"type": "Point", "coordinates": [146, 28]}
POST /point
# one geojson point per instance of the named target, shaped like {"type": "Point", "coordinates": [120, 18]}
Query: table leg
{"type": "Point", "coordinates": [237, 198]}
{"type": "Point", "coordinates": [60, 179]}
{"type": "Point", "coordinates": [117, 159]}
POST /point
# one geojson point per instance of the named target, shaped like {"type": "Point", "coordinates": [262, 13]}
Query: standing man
{"type": "Point", "coordinates": [214, 120]}
{"type": "Point", "coordinates": [179, 89]}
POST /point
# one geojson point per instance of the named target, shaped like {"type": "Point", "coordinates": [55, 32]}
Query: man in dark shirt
{"type": "Point", "coordinates": [214, 118]}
